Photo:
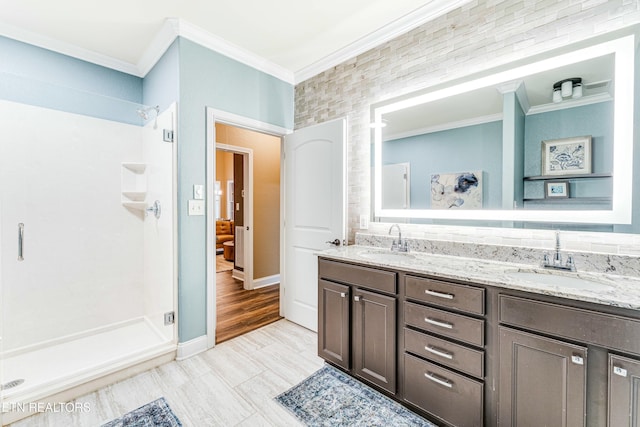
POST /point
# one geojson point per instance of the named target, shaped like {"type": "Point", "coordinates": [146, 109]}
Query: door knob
{"type": "Point", "coordinates": [335, 242]}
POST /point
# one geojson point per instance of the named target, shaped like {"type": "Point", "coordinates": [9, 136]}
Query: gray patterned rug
{"type": "Point", "coordinates": [332, 398]}
{"type": "Point", "coordinates": [154, 414]}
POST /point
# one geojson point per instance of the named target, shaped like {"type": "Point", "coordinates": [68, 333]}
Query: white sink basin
{"type": "Point", "coordinates": [385, 255]}
{"type": "Point", "coordinates": [560, 280]}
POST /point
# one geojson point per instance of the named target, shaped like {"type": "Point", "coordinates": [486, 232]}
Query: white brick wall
{"type": "Point", "coordinates": [480, 35]}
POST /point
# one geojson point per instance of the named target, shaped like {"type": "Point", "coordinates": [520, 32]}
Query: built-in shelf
{"type": "Point", "coordinates": [570, 200]}
{"type": "Point", "coordinates": [135, 167]}
{"type": "Point", "coordinates": [135, 205]}
{"type": "Point", "coordinates": [134, 185]}
{"type": "Point", "coordinates": [566, 177]}
{"type": "Point", "coordinates": [135, 196]}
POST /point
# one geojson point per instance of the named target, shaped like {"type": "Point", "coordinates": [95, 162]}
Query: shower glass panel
{"type": "Point", "coordinates": [88, 277]}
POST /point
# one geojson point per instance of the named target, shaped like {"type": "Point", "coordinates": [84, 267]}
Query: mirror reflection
{"type": "Point", "coordinates": [534, 143]}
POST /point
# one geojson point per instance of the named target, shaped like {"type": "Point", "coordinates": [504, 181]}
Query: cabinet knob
{"type": "Point", "coordinates": [356, 298]}
{"type": "Point", "coordinates": [343, 295]}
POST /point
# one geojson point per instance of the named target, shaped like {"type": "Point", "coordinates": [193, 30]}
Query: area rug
{"type": "Point", "coordinates": [154, 414]}
{"type": "Point", "coordinates": [332, 398]}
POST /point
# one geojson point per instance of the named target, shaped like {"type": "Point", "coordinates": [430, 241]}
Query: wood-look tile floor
{"type": "Point", "coordinates": [232, 384]}
{"type": "Point", "coordinates": [239, 311]}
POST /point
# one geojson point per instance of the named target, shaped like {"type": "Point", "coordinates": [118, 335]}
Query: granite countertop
{"type": "Point", "coordinates": [606, 289]}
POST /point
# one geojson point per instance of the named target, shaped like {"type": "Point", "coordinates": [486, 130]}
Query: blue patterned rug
{"type": "Point", "coordinates": [332, 398]}
{"type": "Point", "coordinates": [154, 414]}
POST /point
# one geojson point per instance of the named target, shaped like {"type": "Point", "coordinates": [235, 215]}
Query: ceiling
{"type": "Point", "coordinates": [296, 36]}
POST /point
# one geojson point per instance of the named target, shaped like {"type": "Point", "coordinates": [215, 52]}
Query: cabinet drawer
{"type": "Point", "coordinates": [585, 326]}
{"type": "Point", "coordinates": [451, 397]}
{"type": "Point", "coordinates": [451, 295]}
{"type": "Point", "coordinates": [365, 277]}
{"type": "Point", "coordinates": [442, 322]}
{"type": "Point", "coordinates": [455, 356]}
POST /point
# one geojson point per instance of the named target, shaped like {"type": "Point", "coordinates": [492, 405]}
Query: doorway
{"type": "Point", "coordinates": [247, 167]}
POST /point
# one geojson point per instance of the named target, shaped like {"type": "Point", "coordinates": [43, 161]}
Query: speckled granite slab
{"type": "Point", "coordinates": [601, 288]}
{"type": "Point", "coordinates": [585, 261]}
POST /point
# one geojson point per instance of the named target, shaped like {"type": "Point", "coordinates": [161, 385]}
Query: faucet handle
{"type": "Point", "coordinates": [570, 262]}
{"type": "Point", "coordinates": [394, 245]}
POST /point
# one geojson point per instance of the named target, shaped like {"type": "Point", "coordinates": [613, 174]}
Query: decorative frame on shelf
{"type": "Point", "coordinates": [567, 156]}
{"type": "Point", "coordinates": [556, 190]}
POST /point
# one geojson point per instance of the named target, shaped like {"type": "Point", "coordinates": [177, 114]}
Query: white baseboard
{"type": "Point", "coordinates": [237, 274]}
{"type": "Point", "coordinates": [191, 347]}
{"type": "Point", "coordinates": [266, 281]}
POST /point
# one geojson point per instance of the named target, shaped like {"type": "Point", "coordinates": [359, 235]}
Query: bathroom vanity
{"type": "Point", "coordinates": [468, 342]}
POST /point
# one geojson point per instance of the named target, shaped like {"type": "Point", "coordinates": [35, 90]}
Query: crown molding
{"type": "Point", "coordinates": [400, 26]}
{"type": "Point", "coordinates": [220, 45]}
{"type": "Point", "coordinates": [68, 49]}
{"type": "Point", "coordinates": [158, 46]}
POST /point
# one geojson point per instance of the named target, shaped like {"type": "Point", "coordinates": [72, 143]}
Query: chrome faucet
{"type": "Point", "coordinates": [556, 261]}
{"type": "Point", "coordinates": [399, 245]}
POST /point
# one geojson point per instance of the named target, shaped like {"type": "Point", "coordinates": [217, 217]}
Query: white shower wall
{"type": "Point", "coordinates": [84, 262]}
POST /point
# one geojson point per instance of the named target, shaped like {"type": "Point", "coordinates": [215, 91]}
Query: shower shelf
{"type": "Point", "coordinates": [134, 185]}
{"type": "Point", "coordinates": [135, 196]}
{"type": "Point", "coordinates": [135, 205]}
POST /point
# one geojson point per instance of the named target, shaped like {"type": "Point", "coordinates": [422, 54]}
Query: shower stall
{"type": "Point", "coordinates": [87, 249]}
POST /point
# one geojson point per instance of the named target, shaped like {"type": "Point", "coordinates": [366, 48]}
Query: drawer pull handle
{"type": "Point", "coordinates": [438, 294]}
{"type": "Point", "coordinates": [437, 380]}
{"type": "Point", "coordinates": [438, 352]}
{"type": "Point", "coordinates": [434, 322]}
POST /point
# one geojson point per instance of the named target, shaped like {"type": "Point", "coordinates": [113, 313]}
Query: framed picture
{"type": "Point", "coordinates": [460, 190]}
{"type": "Point", "coordinates": [556, 189]}
{"type": "Point", "coordinates": [568, 156]}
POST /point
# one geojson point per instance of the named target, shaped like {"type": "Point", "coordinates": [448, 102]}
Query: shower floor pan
{"type": "Point", "coordinates": [49, 370]}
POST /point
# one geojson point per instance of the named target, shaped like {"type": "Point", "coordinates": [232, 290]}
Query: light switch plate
{"type": "Point", "coordinates": [196, 207]}
{"type": "Point", "coordinates": [198, 191]}
{"type": "Point", "coordinates": [364, 222]}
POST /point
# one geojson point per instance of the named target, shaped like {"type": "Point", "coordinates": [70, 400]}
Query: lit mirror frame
{"type": "Point", "coordinates": [624, 74]}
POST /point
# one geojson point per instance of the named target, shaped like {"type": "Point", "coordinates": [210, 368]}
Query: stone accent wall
{"type": "Point", "coordinates": [480, 35]}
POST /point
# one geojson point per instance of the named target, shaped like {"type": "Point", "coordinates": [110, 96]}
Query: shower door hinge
{"type": "Point", "coordinates": [167, 135]}
{"type": "Point", "coordinates": [169, 318]}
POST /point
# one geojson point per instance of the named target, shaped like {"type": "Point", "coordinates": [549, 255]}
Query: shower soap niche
{"type": "Point", "coordinates": [134, 185]}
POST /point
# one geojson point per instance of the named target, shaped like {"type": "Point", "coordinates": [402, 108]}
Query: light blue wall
{"type": "Point", "coordinates": [470, 148]}
{"type": "Point", "coordinates": [208, 78]}
{"type": "Point", "coordinates": [595, 120]}
{"type": "Point", "coordinates": [36, 76]}
{"type": "Point", "coordinates": [161, 85]}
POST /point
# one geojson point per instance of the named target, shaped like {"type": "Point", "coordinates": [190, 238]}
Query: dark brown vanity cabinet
{"type": "Point", "coordinates": [624, 391]}
{"type": "Point", "coordinates": [548, 374]}
{"type": "Point", "coordinates": [357, 321]}
{"type": "Point", "coordinates": [542, 380]}
{"type": "Point", "coordinates": [444, 338]}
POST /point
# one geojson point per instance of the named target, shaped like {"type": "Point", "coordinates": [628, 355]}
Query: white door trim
{"type": "Point", "coordinates": [213, 116]}
{"type": "Point", "coordinates": [247, 160]}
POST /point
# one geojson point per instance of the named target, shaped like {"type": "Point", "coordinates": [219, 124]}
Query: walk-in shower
{"type": "Point", "coordinates": [87, 277]}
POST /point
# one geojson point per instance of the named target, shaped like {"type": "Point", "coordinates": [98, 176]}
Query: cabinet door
{"type": "Point", "coordinates": [624, 392]}
{"type": "Point", "coordinates": [333, 323]}
{"type": "Point", "coordinates": [374, 338]}
{"type": "Point", "coordinates": [542, 381]}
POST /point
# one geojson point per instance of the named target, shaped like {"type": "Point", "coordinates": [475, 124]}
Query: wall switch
{"type": "Point", "coordinates": [364, 222]}
{"type": "Point", "coordinates": [196, 207]}
{"type": "Point", "coordinates": [198, 191]}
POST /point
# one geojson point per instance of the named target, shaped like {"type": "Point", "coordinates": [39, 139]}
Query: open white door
{"type": "Point", "coordinates": [314, 175]}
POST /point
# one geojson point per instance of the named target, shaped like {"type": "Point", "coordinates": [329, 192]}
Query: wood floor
{"type": "Point", "coordinates": [240, 311]}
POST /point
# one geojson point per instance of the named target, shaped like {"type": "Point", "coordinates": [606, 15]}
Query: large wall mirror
{"type": "Point", "coordinates": [550, 141]}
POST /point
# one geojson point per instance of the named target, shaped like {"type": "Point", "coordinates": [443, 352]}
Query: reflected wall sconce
{"type": "Point", "coordinates": [567, 88]}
